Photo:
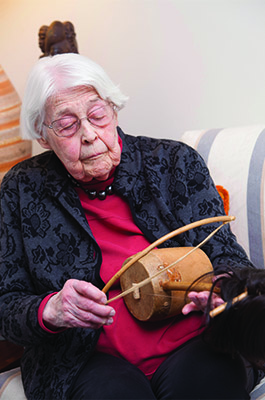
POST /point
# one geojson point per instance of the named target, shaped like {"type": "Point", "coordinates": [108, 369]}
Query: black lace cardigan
{"type": "Point", "coordinates": [45, 240]}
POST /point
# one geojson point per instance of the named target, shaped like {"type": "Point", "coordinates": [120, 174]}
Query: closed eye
{"type": "Point", "coordinates": [99, 115]}
{"type": "Point", "coordinates": [65, 124]}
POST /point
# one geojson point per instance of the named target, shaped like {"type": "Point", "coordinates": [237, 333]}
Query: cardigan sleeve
{"type": "Point", "coordinates": [19, 302]}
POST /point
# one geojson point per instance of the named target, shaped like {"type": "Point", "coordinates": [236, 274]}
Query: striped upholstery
{"type": "Point", "coordinates": [11, 387]}
{"type": "Point", "coordinates": [236, 159]}
{"type": "Point", "coordinates": [12, 148]}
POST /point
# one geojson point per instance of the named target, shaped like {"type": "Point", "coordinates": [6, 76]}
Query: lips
{"type": "Point", "coordinates": [92, 157]}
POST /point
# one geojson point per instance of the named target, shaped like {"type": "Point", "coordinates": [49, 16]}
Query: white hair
{"type": "Point", "coordinates": [50, 75]}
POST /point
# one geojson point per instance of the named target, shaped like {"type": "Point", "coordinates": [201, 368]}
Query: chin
{"type": "Point", "coordinates": [99, 175]}
{"type": "Point", "coordinates": [100, 170]}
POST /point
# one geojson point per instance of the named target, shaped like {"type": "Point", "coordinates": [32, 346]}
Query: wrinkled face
{"type": "Point", "coordinates": [92, 151]}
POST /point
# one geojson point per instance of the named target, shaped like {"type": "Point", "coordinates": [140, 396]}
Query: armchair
{"type": "Point", "coordinates": [236, 159]}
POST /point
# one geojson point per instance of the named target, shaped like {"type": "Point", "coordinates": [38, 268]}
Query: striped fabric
{"type": "Point", "coordinates": [236, 159]}
{"type": "Point", "coordinates": [12, 148]}
{"type": "Point", "coordinates": [11, 387]}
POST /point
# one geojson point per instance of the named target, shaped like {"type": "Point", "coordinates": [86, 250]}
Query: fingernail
{"type": "Point", "coordinates": [112, 313]}
{"type": "Point", "coordinates": [104, 300]}
{"type": "Point", "coordinates": [109, 321]}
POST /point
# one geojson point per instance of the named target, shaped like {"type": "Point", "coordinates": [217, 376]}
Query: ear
{"type": "Point", "coordinates": [115, 118]}
{"type": "Point", "coordinates": [43, 142]}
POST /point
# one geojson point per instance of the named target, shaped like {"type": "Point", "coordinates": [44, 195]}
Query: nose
{"type": "Point", "coordinates": [88, 132]}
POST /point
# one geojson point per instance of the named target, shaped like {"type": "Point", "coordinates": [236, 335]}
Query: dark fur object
{"type": "Point", "coordinates": [240, 328]}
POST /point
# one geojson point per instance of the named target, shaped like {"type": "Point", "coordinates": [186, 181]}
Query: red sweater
{"type": "Point", "coordinates": [144, 344]}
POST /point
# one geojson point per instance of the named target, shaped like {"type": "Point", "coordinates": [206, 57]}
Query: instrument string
{"type": "Point", "coordinates": [136, 257]}
{"type": "Point", "coordinates": [149, 279]}
{"type": "Point", "coordinates": [157, 295]}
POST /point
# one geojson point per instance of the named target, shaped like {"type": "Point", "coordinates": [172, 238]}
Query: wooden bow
{"type": "Point", "coordinates": [223, 219]}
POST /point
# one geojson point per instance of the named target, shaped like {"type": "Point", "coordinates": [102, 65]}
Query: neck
{"type": "Point", "coordinates": [95, 189]}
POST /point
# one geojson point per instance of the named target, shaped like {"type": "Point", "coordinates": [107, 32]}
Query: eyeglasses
{"type": "Point", "coordinates": [68, 126]}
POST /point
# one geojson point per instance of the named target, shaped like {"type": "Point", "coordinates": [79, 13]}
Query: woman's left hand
{"type": "Point", "coordinates": [199, 301]}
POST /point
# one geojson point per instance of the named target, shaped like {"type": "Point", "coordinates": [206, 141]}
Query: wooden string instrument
{"type": "Point", "coordinates": [154, 282]}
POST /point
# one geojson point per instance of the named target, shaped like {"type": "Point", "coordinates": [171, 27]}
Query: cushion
{"type": "Point", "coordinates": [11, 387]}
{"type": "Point", "coordinates": [259, 392]}
{"type": "Point", "coordinates": [236, 159]}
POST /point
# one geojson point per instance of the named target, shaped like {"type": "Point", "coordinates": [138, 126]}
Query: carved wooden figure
{"type": "Point", "coordinates": [57, 38]}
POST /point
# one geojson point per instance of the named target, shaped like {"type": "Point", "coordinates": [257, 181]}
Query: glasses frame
{"type": "Point", "coordinates": [78, 121]}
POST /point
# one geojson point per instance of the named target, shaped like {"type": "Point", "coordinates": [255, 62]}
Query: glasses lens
{"type": "Point", "coordinates": [101, 116]}
{"type": "Point", "coordinates": [66, 126]}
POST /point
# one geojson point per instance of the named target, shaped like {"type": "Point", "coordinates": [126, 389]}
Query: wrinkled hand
{"type": "Point", "coordinates": [78, 304]}
{"type": "Point", "coordinates": [199, 302]}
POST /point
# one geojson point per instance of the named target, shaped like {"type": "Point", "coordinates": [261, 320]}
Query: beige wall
{"type": "Point", "coordinates": [185, 64]}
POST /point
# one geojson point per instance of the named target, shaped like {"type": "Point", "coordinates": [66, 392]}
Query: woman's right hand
{"type": "Point", "coordinates": [79, 304]}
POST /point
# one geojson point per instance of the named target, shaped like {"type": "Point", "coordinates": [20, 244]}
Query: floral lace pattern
{"type": "Point", "coordinates": [45, 240]}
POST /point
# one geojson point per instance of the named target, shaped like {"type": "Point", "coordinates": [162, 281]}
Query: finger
{"type": "Point", "coordinates": [90, 291]}
{"type": "Point", "coordinates": [216, 302]}
{"type": "Point", "coordinates": [200, 299]}
{"type": "Point", "coordinates": [199, 302]}
{"type": "Point", "coordinates": [82, 304]}
{"type": "Point", "coordinates": [74, 316]}
{"type": "Point", "coordinates": [88, 298]}
{"type": "Point", "coordinates": [88, 307]}
{"type": "Point", "coordinates": [88, 319]}
{"type": "Point", "coordinates": [188, 308]}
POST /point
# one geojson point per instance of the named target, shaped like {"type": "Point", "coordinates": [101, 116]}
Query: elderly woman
{"type": "Point", "coordinates": [71, 216]}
